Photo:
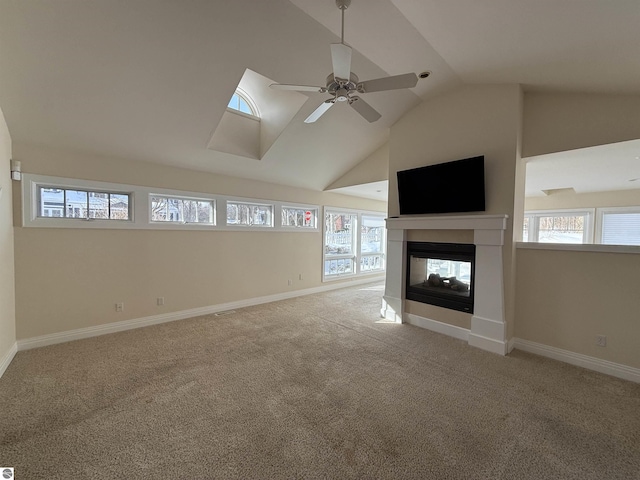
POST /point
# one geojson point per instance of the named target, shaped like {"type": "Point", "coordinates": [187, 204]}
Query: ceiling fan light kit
{"type": "Point", "coordinates": [342, 83]}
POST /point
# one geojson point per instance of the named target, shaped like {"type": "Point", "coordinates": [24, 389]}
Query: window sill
{"type": "Point", "coordinates": [576, 247]}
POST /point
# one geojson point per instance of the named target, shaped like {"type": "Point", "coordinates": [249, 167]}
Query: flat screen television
{"type": "Point", "coordinates": [449, 187]}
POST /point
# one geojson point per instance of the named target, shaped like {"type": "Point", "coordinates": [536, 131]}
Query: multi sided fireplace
{"type": "Point", "coordinates": [441, 274]}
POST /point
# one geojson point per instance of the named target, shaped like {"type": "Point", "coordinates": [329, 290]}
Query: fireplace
{"type": "Point", "coordinates": [487, 329]}
{"type": "Point", "coordinates": [441, 274]}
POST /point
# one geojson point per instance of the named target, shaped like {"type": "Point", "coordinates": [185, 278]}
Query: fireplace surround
{"type": "Point", "coordinates": [488, 325]}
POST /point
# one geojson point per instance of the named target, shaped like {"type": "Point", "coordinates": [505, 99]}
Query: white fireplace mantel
{"type": "Point", "coordinates": [488, 327]}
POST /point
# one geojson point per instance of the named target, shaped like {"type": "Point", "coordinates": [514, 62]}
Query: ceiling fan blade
{"type": "Point", "coordinates": [299, 88]}
{"type": "Point", "coordinates": [363, 108]}
{"type": "Point", "coordinates": [318, 112]}
{"type": "Point", "coordinates": [341, 60]}
{"type": "Point", "coordinates": [407, 80]}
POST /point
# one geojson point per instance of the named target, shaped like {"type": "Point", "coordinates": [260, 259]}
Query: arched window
{"type": "Point", "coordinates": [241, 102]}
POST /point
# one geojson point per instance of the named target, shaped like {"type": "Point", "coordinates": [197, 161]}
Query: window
{"type": "Point", "coordinates": [558, 227]}
{"type": "Point", "coordinates": [182, 210]}
{"type": "Point", "coordinates": [372, 243]}
{"type": "Point", "coordinates": [346, 253]}
{"type": "Point", "coordinates": [249, 214]}
{"type": "Point", "coordinates": [241, 102]}
{"type": "Point", "coordinates": [299, 217]}
{"type": "Point", "coordinates": [620, 226]}
{"type": "Point", "coordinates": [86, 204]}
{"type": "Point", "coordinates": [48, 202]}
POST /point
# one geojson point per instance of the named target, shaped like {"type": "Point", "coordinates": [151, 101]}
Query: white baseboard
{"type": "Point", "coordinates": [478, 341]}
{"type": "Point", "coordinates": [88, 332]}
{"type": "Point", "coordinates": [435, 326]}
{"type": "Point", "coordinates": [488, 344]}
{"type": "Point", "coordinates": [603, 366]}
{"type": "Point", "coordinates": [5, 360]}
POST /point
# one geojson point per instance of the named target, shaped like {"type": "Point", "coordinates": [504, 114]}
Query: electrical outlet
{"type": "Point", "coordinates": [290, 282]}
{"type": "Point", "coordinates": [300, 277]}
{"type": "Point", "coordinates": [160, 301]}
{"type": "Point", "coordinates": [601, 340]}
{"type": "Point", "coordinates": [119, 307]}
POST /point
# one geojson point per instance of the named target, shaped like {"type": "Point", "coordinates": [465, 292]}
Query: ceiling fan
{"type": "Point", "coordinates": [342, 84]}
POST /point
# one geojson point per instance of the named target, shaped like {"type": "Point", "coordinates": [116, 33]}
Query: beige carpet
{"type": "Point", "coordinates": [309, 388]}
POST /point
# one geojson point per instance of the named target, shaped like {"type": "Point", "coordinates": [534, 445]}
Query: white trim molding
{"type": "Point", "coordinates": [591, 363]}
{"type": "Point", "coordinates": [88, 332]}
{"type": "Point", "coordinates": [5, 361]}
{"type": "Point", "coordinates": [438, 327]}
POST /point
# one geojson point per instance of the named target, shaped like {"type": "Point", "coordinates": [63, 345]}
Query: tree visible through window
{"type": "Point", "coordinates": [182, 210]}
{"type": "Point", "coordinates": [556, 227]}
{"type": "Point", "coordinates": [249, 214]}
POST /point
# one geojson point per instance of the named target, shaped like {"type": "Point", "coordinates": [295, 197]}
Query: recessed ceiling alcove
{"type": "Point", "coordinates": [251, 137]}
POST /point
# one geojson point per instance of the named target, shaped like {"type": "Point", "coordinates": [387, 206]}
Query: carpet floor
{"type": "Point", "coordinates": [312, 387]}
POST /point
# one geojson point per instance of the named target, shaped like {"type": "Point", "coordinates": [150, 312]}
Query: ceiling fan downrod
{"type": "Point", "coordinates": [342, 5]}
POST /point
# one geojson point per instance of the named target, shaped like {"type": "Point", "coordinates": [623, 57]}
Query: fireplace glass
{"type": "Point", "coordinates": [441, 274]}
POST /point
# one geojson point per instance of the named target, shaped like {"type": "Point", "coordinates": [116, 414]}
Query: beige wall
{"type": "Point", "coordinates": [564, 299]}
{"type": "Point", "coordinates": [561, 122]}
{"type": "Point", "coordinates": [72, 278]}
{"type": "Point", "coordinates": [474, 120]}
{"type": "Point", "coordinates": [7, 288]}
{"type": "Point", "coordinates": [374, 168]}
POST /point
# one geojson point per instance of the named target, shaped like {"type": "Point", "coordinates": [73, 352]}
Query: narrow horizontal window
{"type": "Point", "coordinates": [299, 217]}
{"type": "Point", "coordinates": [50, 202]}
{"type": "Point", "coordinates": [249, 214]}
{"type": "Point", "coordinates": [55, 202]}
{"type": "Point", "coordinates": [182, 210]}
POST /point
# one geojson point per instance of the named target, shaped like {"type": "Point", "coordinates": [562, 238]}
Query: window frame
{"type": "Point", "coordinates": [310, 208]}
{"type": "Point", "coordinates": [357, 254]}
{"type": "Point", "coordinates": [602, 211]}
{"type": "Point", "coordinates": [380, 253]}
{"type": "Point", "coordinates": [182, 198]}
{"type": "Point", "coordinates": [255, 113]}
{"type": "Point", "coordinates": [534, 223]}
{"type": "Point", "coordinates": [140, 207]}
{"type": "Point", "coordinates": [252, 203]}
{"type": "Point", "coordinates": [88, 189]}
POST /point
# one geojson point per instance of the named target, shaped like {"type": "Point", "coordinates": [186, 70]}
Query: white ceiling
{"type": "Point", "coordinates": [149, 80]}
{"type": "Point", "coordinates": [586, 170]}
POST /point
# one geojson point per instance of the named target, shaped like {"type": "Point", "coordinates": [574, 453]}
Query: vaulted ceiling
{"type": "Point", "coordinates": [150, 79]}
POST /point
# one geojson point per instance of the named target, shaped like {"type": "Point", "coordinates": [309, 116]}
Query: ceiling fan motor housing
{"type": "Point", "coordinates": [340, 86]}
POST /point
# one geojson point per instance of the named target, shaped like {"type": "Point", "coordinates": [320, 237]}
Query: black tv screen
{"type": "Point", "coordinates": [443, 188]}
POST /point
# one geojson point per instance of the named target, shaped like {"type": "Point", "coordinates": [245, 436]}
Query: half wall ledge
{"type": "Point", "coordinates": [488, 328]}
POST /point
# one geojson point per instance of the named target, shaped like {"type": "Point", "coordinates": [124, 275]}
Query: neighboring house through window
{"type": "Point", "coordinates": [348, 253]}
{"type": "Point", "coordinates": [87, 204]}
